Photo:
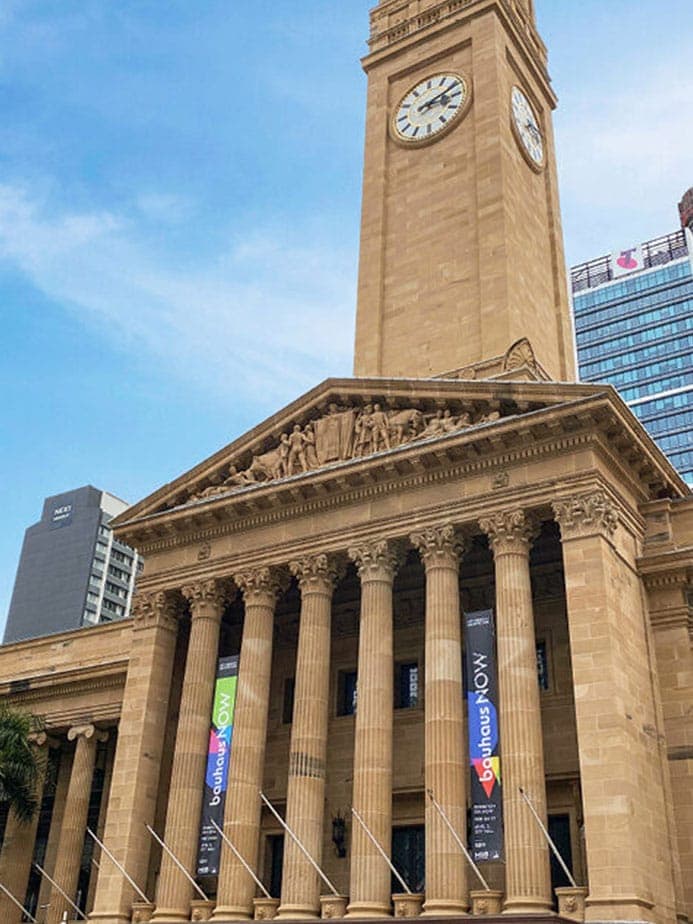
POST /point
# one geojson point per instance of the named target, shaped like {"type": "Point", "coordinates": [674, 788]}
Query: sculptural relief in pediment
{"type": "Point", "coordinates": [341, 434]}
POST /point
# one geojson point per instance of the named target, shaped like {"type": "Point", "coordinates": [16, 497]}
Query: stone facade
{"type": "Point", "coordinates": [342, 540]}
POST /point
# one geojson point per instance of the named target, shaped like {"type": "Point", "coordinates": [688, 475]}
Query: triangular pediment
{"type": "Point", "coordinates": [344, 423]}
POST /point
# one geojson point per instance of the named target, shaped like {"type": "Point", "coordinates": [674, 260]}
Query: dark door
{"type": "Point", "coordinates": [559, 829]}
{"type": "Point", "coordinates": [408, 857]}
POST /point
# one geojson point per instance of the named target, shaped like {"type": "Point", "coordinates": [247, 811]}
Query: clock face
{"type": "Point", "coordinates": [527, 128]}
{"type": "Point", "coordinates": [431, 108]}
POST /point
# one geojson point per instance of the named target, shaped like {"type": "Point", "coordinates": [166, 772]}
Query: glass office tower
{"type": "Point", "coordinates": [72, 572]}
{"type": "Point", "coordinates": [634, 328]}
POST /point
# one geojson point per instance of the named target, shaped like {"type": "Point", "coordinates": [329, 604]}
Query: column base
{"type": "Point", "coordinates": [170, 916]}
{"type": "Point", "coordinates": [368, 910]}
{"type": "Point", "coordinates": [119, 917]}
{"type": "Point", "coordinates": [232, 913]}
{"type": "Point", "coordinates": [297, 912]}
{"type": "Point", "coordinates": [444, 907]}
{"type": "Point", "coordinates": [528, 906]}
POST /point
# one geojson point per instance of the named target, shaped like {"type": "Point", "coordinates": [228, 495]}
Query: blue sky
{"type": "Point", "coordinates": [179, 206]}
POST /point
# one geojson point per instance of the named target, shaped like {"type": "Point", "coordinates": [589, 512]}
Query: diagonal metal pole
{"type": "Point", "coordinates": [457, 839]}
{"type": "Point", "coordinates": [548, 837]}
{"type": "Point", "coordinates": [118, 866]}
{"type": "Point", "coordinates": [248, 869]}
{"type": "Point", "coordinates": [176, 861]}
{"type": "Point", "coordinates": [300, 846]}
{"type": "Point", "coordinates": [21, 907]}
{"type": "Point", "coordinates": [380, 850]}
{"type": "Point", "coordinates": [64, 894]}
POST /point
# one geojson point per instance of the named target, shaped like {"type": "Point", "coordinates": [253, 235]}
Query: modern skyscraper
{"type": "Point", "coordinates": [72, 571]}
{"type": "Point", "coordinates": [634, 329]}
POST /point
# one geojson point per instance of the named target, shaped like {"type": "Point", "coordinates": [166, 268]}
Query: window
{"type": "Point", "coordinates": [288, 706]}
{"type": "Point", "coordinates": [346, 693]}
{"type": "Point", "coordinates": [407, 685]}
{"type": "Point", "coordinates": [542, 666]}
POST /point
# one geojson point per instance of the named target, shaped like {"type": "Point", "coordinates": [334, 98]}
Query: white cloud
{"type": "Point", "coordinates": [267, 317]}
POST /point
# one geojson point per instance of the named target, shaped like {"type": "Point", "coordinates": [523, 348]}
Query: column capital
{"type": "Point", "coordinates": [157, 608]}
{"type": "Point", "coordinates": [377, 559]}
{"type": "Point", "coordinates": [440, 546]}
{"type": "Point", "coordinates": [213, 593]}
{"type": "Point", "coordinates": [318, 572]}
{"type": "Point", "coordinates": [87, 732]}
{"type": "Point", "coordinates": [587, 514]}
{"type": "Point", "coordinates": [510, 531]}
{"type": "Point", "coordinates": [262, 582]}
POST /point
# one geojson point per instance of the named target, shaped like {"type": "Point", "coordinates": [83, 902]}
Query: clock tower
{"type": "Point", "coordinates": [461, 242]}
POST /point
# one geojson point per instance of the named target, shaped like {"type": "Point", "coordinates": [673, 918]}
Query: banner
{"type": "Point", "coordinates": [486, 840]}
{"type": "Point", "coordinates": [217, 773]}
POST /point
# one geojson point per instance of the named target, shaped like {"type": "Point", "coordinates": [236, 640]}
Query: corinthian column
{"type": "Point", "coordinates": [18, 843]}
{"type": "Point", "coordinates": [445, 769]}
{"type": "Point", "coordinates": [372, 794]}
{"type": "Point", "coordinates": [527, 874]}
{"type": "Point", "coordinates": [134, 788]}
{"type": "Point", "coordinates": [305, 801]}
{"type": "Point", "coordinates": [207, 600]}
{"type": "Point", "coordinates": [242, 811]}
{"type": "Point", "coordinates": [74, 826]}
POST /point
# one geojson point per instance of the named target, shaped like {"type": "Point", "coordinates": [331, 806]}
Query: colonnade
{"type": "Point", "coordinates": [18, 846]}
{"type": "Point", "coordinates": [445, 763]}
{"type": "Point", "coordinates": [134, 791]}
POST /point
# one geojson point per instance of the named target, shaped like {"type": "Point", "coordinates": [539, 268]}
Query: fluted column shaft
{"type": "Point", "coordinates": [182, 831]}
{"type": "Point", "coordinates": [137, 765]}
{"type": "Point", "coordinates": [445, 768]}
{"type": "Point", "coordinates": [18, 845]}
{"type": "Point", "coordinates": [527, 873]}
{"type": "Point", "coordinates": [242, 811]}
{"type": "Point", "coordinates": [305, 800]}
{"type": "Point", "coordinates": [372, 792]}
{"type": "Point", "coordinates": [74, 826]}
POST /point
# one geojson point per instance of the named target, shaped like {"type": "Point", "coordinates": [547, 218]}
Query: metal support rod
{"type": "Point", "coordinates": [64, 894]}
{"type": "Point", "coordinates": [117, 865]}
{"type": "Point", "coordinates": [236, 854]}
{"type": "Point", "coordinates": [380, 850]}
{"type": "Point", "coordinates": [177, 862]}
{"type": "Point", "coordinates": [20, 906]}
{"type": "Point", "coordinates": [457, 839]}
{"type": "Point", "coordinates": [298, 843]}
{"type": "Point", "coordinates": [549, 839]}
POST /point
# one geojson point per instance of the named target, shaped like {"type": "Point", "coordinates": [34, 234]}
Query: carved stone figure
{"type": "Point", "coordinates": [297, 451]}
{"type": "Point", "coordinates": [362, 429]}
{"type": "Point", "coordinates": [404, 425]}
{"type": "Point", "coordinates": [309, 439]}
{"type": "Point", "coordinates": [380, 437]}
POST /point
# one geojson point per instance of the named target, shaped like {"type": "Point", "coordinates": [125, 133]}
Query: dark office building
{"type": "Point", "coordinates": [634, 329]}
{"type": "Point", "coordinates": [72, 571]}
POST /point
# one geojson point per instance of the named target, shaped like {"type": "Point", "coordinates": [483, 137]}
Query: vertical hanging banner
{"type": "Point", "coordinates": [486, 841]}
{"type": "Point", "coordinates": [217, 773]}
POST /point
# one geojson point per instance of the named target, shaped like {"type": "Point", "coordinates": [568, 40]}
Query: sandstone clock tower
{"type": "Point", "coordinates": [461, 243]}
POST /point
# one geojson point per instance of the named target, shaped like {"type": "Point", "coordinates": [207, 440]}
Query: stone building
{"type": "Point", "coordinates": [340, 548]}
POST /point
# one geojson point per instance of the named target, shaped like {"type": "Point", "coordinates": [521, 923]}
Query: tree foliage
{"type": "Point", "coordinates": [20, 764]}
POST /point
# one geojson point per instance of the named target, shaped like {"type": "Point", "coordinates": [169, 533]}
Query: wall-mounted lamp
{"type": "Point", "coordinates": [339, 835]}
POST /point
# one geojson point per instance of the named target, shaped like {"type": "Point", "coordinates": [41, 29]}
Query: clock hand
{"type": "Point", "coordinates": [440, 96]}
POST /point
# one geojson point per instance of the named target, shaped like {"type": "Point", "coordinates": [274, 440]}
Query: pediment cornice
{"type": "Point", "coordinates": [597, 419]}
{"type": "Point", "coordinates": [329, 424]}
